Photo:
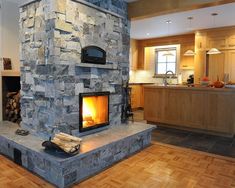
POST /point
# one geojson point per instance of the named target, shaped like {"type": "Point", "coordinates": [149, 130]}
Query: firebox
{"type": "Point", "coordinates": [94, 110]}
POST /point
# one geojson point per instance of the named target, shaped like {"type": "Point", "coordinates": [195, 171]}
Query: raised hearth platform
{"type": "Point", "coordinates": [98, 151]}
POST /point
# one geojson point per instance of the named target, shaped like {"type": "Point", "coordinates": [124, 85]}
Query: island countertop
{"type": "Point", "coordinates": [185, 87]}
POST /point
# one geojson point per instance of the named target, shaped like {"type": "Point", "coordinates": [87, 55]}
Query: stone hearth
{"type": "Point", "coordinates": [53, 33]}
{"type": "Point", "coordinates": [98, 151]}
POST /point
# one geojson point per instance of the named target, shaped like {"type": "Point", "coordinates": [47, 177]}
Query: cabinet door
{"type": "Point", "coordinates": [231, 41]}
{"type": "Point", "coordinates": [193, 109]}
{"type": "Point", "coordinates": [135, 96]}
{"type": "Point", "coordinates": [133, 54]}
{"type": "Point", "coordinates": [154, 104]}
{"type": "Point", "coordinates": [230, 64]}
{"type": "Point", "coordinates": [216, 66]}
{"type": "Point", "coordinates": [219, 113]}
{"type": "Point", "coordinates": [142, 96]}
{"type": "Point", "coordinates": [216, 42]}
{"type": "Point", "coordinates": [185, 108]}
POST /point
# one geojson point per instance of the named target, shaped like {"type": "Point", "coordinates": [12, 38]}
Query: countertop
{"type": "Point", "coordinates": [140, 83]}
{"type": "Point", "coordinates": [197, 88]}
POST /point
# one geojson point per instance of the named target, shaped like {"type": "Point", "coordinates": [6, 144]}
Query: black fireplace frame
{"type": "Point", "coordinates": [91, 94]}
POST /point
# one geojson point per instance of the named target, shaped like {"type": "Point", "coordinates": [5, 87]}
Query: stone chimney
{"type": "Point", "coordinates": [53, 32]}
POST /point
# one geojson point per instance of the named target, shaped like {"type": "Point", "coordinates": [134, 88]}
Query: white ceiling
{"type": "Point", "coordinates": [202, 19]}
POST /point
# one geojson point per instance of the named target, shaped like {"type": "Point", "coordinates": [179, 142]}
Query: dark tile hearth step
{"type": "Point", "coordinates": [98, 151]}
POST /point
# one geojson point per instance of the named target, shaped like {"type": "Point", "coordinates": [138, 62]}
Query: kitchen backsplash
{"type": "Point", "coordinates": [146, 76]}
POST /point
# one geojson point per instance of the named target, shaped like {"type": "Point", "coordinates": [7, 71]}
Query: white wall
{"type": "Point", "coordinates": [10, 31]}
{"type": "Point", "coordinates": [9, 36]}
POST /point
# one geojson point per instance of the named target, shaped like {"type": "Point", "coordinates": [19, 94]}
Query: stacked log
{"type": "Point", "coordinates": [12, 108]}
{"type": "Point", "coordinates": [66, 142]}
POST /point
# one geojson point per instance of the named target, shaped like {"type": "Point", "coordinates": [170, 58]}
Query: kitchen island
{"type": "Point", "coordinates": [203, 109]}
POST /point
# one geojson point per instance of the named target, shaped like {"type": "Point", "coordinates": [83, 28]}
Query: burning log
{"type": "Point", "coordinates": [12, 109]}
{"type": "Point", "coordinates": [66, 142]}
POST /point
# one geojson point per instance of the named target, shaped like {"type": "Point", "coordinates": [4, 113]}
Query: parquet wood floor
{"type": "Point", "coordinates": [158, 166]}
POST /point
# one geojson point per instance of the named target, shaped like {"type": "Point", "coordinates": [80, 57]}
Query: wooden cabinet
{"type": "Point", "coordinates": [231, 41]}
{"type": "Point", "coordinates": [155, 104]}
{"type": "Point", "coordinates": [196, 108]}
{"type": "Point", "coordinates": [216, 65]}
{"type": "Point", "coordinates": [200, 66]}
{"type": "Point", "coordinates": [137, 96]}
{"type": "Point", "coordinates": [200, 57]}
{"type": "Point", "coordinates": [186, 62]}
{"type": "Point", "coordinates": [216, 41]}
{"type": "Point", "coordinates": [229, 67]}
{"type": "Point", "coordinates": [219, 114]}
{"type": "Point", "coordinates": [133, 54]}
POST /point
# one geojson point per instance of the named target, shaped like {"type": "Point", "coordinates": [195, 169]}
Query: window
{"type": "Point", "coordinates": [166, 61]}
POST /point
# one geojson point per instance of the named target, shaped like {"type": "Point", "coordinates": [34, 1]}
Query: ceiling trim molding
{"type": "Point", "coordinates": [149, 8]}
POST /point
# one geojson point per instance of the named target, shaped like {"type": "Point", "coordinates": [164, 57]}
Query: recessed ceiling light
{"type": "Point", "coordinates": [168, 21]}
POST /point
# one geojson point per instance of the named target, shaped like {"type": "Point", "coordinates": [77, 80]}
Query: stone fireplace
{"type": "Point", "coordinates": [53, 74]}
{"type": "Point", "coordinates": [61, 92]}
{"type": "Point", "coordinates": [94, 111]}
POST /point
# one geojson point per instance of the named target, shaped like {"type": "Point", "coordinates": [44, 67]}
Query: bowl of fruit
{"type": "Point", "coordinates": [218, 83]}
{"type": "Point", "coordinates": [205, 81]}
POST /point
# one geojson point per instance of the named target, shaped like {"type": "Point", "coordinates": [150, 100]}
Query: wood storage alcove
{"type": "Point", "coordinates": [11, 98]}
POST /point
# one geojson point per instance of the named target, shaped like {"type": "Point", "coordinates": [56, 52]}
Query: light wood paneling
{"type": "Point", "coordinates": [230, 64]}
{"type": "Point", "coordinates": [137, 96]}
{"type": "Point", "coordinates": [222, 39]}
{"type": "Point", "coordinates": [133, 54]}
{"type": "Point", "coordinates": [219, 113]}
{"type": "Point", "coordinates": [148, 8]}
{"type": "Point", "coordinates": [155, 103]}
{"type": "Point", "coordinates": [216, 66]}
{"type": "Point", "coordinates": [186, 42]}
{"type": "Point", "coordinates": [186, 62]}
{"type": "Point", "coordinates": [208, 110]}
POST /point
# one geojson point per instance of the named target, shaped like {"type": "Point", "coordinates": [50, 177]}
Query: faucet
{"type": "Point", "coordinates": [165, 83]}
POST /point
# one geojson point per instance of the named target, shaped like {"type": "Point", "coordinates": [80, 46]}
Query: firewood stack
{"type": "Point", "coordinates": [68, 143]}
{"type": "Point", "coordinates": [12, 110]}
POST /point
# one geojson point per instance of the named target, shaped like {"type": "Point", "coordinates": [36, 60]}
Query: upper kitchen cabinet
{"type": "Point", "coordinates": [216, 39]}
{"type": "Point", "coordinates": [133, 54]}
{"type": "Point", "coordinates": [136, 55]}
{"type": "Point", "coordinates": [221, 38]}
{"type": "Point", "coordinates": [217, 65]}
{"type": "Point", "coordinates": [231, 41]}
{"type": "Point", "coordinates": [229, 66]}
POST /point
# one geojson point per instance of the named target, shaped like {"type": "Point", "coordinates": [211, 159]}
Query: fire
{"type": "Point", "coordinates": [94, 111]}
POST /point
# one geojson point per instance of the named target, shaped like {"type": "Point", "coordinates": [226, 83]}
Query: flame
{"type": "Point", "coordinates": [89, 112]}
{"type": "Point", "coordinates": [95, 110]}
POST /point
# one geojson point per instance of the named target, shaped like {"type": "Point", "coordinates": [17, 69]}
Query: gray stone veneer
{"type": "Point", "coordinates": [52, 34]}
{"type": "Point", "coordinates": [119, 7]}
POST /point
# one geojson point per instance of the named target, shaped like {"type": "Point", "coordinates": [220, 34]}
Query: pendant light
{"type": "Point", "coordinates": [189, 52]}
{"type": "Point", "coordinates": [214, 51]}
{"type": "Point", "coordinates": [168, 53]}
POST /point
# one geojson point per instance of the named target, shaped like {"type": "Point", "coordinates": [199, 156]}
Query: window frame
{"type": "Point", "coordinates": [156, 75]}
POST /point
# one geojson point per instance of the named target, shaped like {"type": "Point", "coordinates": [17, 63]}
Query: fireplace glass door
{"type": "Point", "coordinates": [94, 110]}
